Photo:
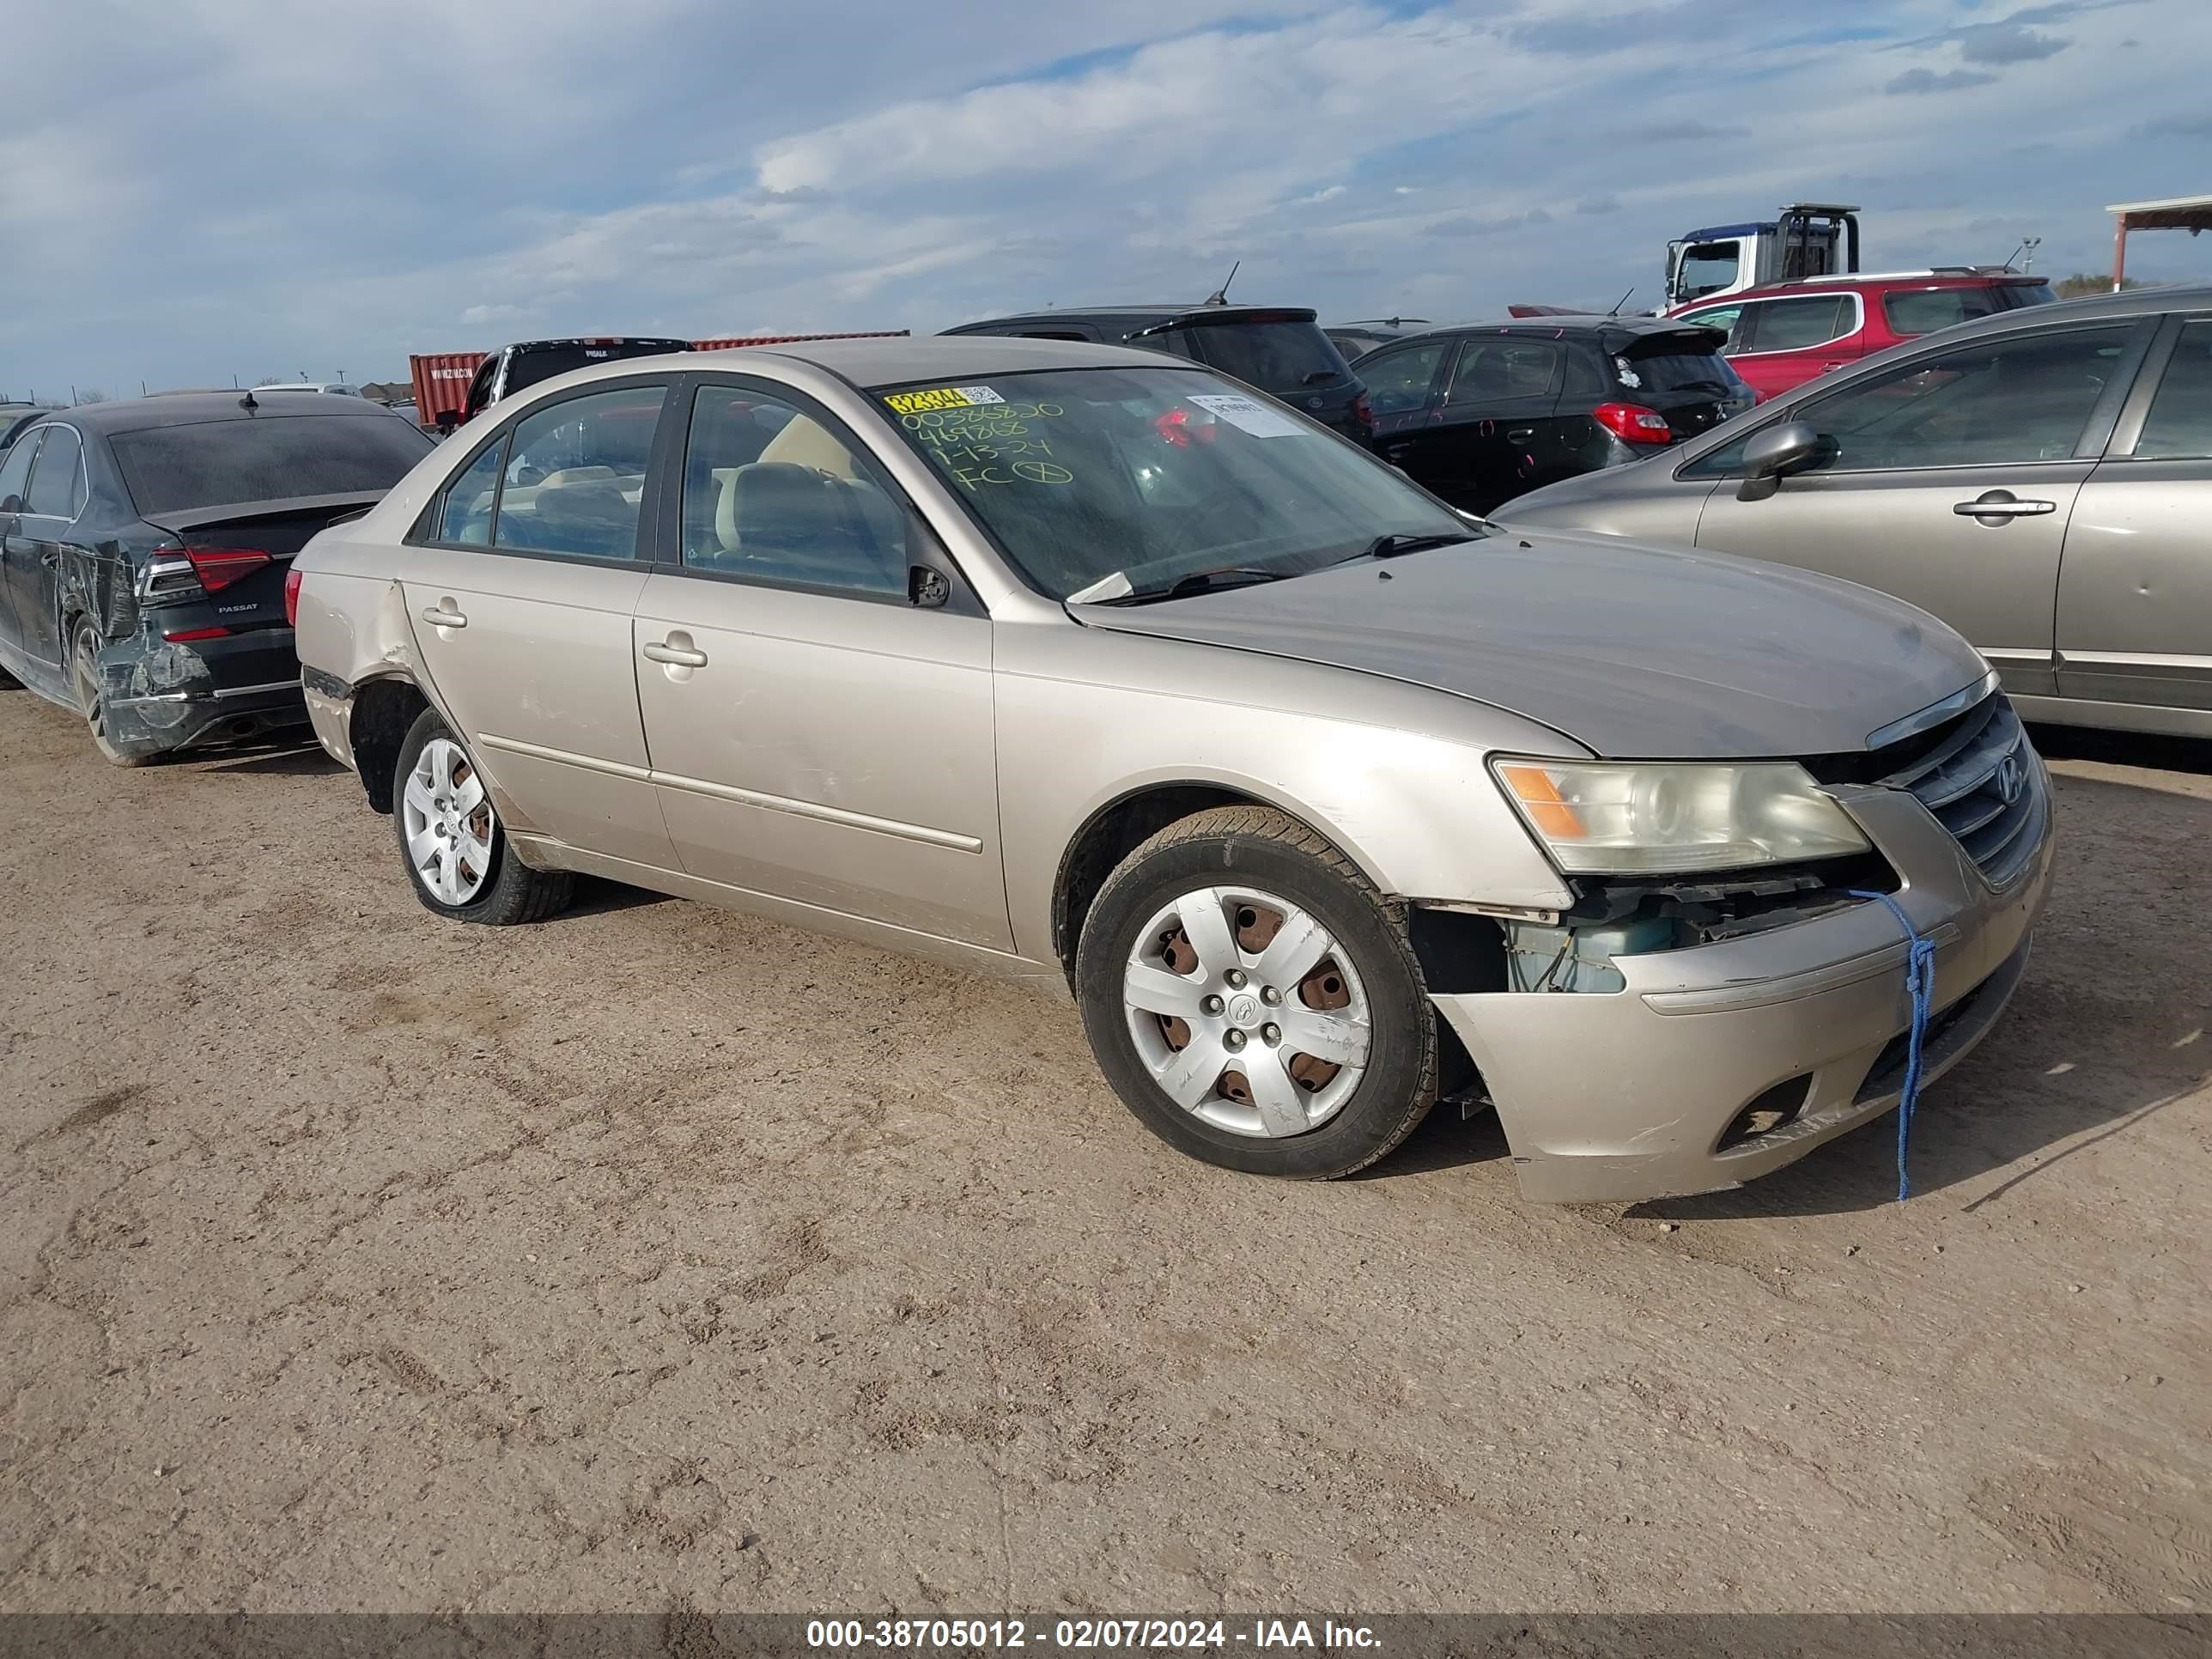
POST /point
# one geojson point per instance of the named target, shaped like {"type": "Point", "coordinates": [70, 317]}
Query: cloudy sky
{"type": "Point", "coordinates": [195, 189]}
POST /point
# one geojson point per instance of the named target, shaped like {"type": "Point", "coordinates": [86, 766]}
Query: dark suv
{"type": "Point", "coordinates": [1280, 349]}
{"type": "Point", "coordinates": [1482, 412]}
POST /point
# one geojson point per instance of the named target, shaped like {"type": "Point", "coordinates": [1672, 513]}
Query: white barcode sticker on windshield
{"type": "Point", "coordinates": [1248, 415]}
{"type": "Point", "coordinates": [978, 394]}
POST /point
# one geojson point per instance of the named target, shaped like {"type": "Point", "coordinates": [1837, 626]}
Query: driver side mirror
{"type": "Point", "coordinates": [1785, 447]}
{"type": "Point", "coordinates": [927, 589]}
{"type": "Point", "coordinates": [12, 505]}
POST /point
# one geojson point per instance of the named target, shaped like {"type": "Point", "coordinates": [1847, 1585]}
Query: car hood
{"type": "Point", "coordinates": [1633, 651]}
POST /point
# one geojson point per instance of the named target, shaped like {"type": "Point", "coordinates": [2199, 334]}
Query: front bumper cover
{"type": "Point", "coordinates": [1627, 1095]}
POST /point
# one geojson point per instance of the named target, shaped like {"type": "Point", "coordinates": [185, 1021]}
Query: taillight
{"type": "Point", "coordinates": [217, 568]}
{"type": "Point", "coordinates": [185, 635]}
{"type": "Point", "coordinates": [1633, 423]}
{"type": "Point", "coordinates": [292, 596]}
{"type": "Point", "coordinates": [1362, 410]}
{"type": "Point", "coordinates": [1177, 427]}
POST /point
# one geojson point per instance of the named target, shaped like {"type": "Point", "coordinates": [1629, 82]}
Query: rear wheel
{"type": "Point", "coordinates": [1254, 1000]}
{"type": "Point", "coordinates": [451, 842]}
{"type": "Point", "coordinates": [91, 702]}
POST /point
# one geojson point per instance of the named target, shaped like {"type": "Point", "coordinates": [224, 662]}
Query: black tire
{"type": "Point", "coordinates": [84, 680]}
{"type": "Point", "coordinates": [1238, 845]}
{"type": "Point", "coordinates": [512, 892]}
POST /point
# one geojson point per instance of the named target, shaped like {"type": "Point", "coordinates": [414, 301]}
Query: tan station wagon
{"type": "Point", "coordinates": [1083, 665]}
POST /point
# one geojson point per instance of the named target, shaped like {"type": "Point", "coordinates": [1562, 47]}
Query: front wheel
{"type": "Point", "coordinates": [1254, 1000]}
{"type": "Point", "coordinates": [451, 839]}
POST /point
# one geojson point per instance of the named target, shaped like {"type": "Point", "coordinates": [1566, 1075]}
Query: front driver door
{"type": "Point", "coordinates": [15, 546]}
{"type": "Point", "coordinates": [1947, 480]}
{"type": "Point", "coordinates": [816, 737]}
{"type": "Point", "coordinates": [520, 604]}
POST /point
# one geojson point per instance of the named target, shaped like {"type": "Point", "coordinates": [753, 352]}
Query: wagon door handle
{"type": "Point", "coordinates": [445, 616]}
{"type": "Point", "coordinates": [679, 656]}
{"type": "Point", "coordinates": [1995, 506]}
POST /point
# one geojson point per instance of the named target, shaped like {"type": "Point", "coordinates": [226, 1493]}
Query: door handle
{"type": "Point", "coordinates": [1839, 363]}
{"type": "Point", "coordinates": [1396, 452]}
{"type": "Point", "coordinates": [680, 656]}
{"type": "Point", "coordinates": [50, 558]}
{"type": "Point", "coordinates": [1995, 506]}
{"type": "Point", "coordinates": [1520, 434]}
{"type": "Point", "coordinates": [442, 617]}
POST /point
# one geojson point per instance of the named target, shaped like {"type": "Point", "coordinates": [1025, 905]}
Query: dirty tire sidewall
{"type": "Point", "coordinates": [1237, 845]}
{"type": "Point", "coordinates": [514, 893]}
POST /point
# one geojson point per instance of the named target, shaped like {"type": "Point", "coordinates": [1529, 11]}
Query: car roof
{"type": "Point", "coordinates": [1575, 324]}
{"type": "Point", "coordinates": [667, 340]}
{"type": "Point", "coordinates": [190, 408]}
{"type": "Point", "coordinates": [1858, 281]}
{"type": "Point", "coordinates": [1159, 312]}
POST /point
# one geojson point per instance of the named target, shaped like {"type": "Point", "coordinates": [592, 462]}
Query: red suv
{"type": "Point", "coordinates": [1783, 334]}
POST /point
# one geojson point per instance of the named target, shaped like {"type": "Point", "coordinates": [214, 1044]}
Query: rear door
{"type": "Point", "coordinates": [1948, 480]}
{"type": "Point", "coordinates": [1405, 385]}
{"type": "Point", "coordinates": [1495, 429]}
{"type": "Point", "coordinates": [816, 737]}
{"type": "Point", "coordinates": [520, 593]}
{"type": "Point", "coordinates": [1781, 343]}
{"type": "Point", "coordinates": [2135, 594]}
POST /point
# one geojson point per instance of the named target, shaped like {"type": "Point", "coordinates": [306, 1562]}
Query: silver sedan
{"type": "Point", "coordinates": [1086, 666]}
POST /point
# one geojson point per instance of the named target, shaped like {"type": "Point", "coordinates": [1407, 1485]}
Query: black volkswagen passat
{"type": "Point", "coordinates": [146, 546]}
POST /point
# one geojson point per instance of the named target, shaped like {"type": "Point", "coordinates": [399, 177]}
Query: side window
{"type": "Point", "coordinates": [1729, 319]}
{"type": "Point", "coordinates": [1398, 381]}
{"type": "Point", "coordinates": [465, 515]}
{"type": "Point", "coordinates": [2016, 397]}
{"type": "Point", "coordinates": [2179, 423]}
{"type": "Point", "coordinates": [55, 487]}
{"type": "Point", "coordinates": [575, 474]}
{"type": "Point", "coordinates": [1051, 334]}
{"type": "Point", "coordinates": [1800, 324]}
{"type": "Point", "coordinates": [774, 494]}
{"type": "Point", "coordinates": [1491, 371]}
{"type": "Point", "coordinates": [15, 471]}
{"type": "Point", "coordinates": [479, 392]}
{"type": "Point", "coordinates": [1586, 373]}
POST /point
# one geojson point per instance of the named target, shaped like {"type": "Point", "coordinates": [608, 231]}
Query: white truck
{"type": "Point", "coordinates": [1805, 239]}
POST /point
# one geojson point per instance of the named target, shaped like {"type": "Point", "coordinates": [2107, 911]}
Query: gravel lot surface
{"type": "Point", "coordinates": [658, 1257]}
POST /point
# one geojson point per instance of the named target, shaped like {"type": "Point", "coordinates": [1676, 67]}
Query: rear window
{"type": "Point", "coordinates": [1678, 368]}
{"type": "Point", "coordinates": [1274, 356]}
{"type": "Point", "coordinates": [1933, 308]}
{"type": "Point", "coordinates": [182, 469]}
{"type": "Point", "coordinates": [527, 368]}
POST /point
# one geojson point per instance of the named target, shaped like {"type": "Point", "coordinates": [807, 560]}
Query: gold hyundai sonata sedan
{"type": "Point", "coordinates": [1091, 667]}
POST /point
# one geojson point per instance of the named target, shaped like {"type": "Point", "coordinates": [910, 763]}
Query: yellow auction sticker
{"type": "Point", "coordinates": [943, 396]}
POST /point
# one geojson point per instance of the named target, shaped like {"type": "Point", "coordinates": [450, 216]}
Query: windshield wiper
{"type": "Point", "coordinates": [1390, 547]}
{"type": "Point", "coordinates": [1116, 589]}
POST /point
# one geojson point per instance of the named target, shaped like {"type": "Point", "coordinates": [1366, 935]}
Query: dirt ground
{"type": "Point", "coordinates": [656, 1257]}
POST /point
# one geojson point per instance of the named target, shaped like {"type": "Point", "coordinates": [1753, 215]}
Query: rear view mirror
{"type": "Point", "coordinates": [1783, 448]}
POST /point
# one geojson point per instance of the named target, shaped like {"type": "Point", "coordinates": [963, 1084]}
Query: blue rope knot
{"type": "Point", "coordinates": [1920, 985]}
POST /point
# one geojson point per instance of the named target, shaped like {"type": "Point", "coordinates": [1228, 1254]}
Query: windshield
{"type": "Point", "coordinates": [1156, 474]}
{"type": "Point", "coordinates": [178, 469]}
{"type": "Point", "coordinates": [1706, 268]}
{"type": "Point", "coordinates": [1275, 356]}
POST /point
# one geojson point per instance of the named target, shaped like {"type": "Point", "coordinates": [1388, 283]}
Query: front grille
{"type": "Point", "coordinates": [1983, 784]}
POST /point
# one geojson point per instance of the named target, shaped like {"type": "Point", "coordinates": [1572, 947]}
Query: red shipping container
{"type": "Point", "coordinates": [441, 383]}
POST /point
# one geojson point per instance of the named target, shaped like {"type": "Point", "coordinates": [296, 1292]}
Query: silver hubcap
{"type": "Point", "coordinates": [85, 660]}
{"type": "Point", "coordinates": [448, 822]}
{"type": "Point", "coordinates": [1248, 1013]}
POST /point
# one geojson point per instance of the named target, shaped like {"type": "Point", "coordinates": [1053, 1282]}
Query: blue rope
{"type": "Point", "coordinates": [1920, 985]}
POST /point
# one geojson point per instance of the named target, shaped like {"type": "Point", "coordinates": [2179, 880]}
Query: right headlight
{"type": "Point", "coordinates": [1671, 817]}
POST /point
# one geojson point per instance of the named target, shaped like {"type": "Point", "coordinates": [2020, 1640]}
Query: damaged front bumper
{"type": "Point", "coordinates": [159, 696]}
{"type": "Point", "coordinates": [1720, 1063]}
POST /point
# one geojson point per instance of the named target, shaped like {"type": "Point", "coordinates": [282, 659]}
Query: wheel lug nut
{"type": "Point", "coordinates": [1210, 1005]}
{"type": "Point", "coordinates": [1270, 995]}
{"type": "Point", "coordinates": [1235, 1040]}
{"type": "Point", "coordinates": [1235, 977]}
{"type": "Point", "coordinates": [1273, 1033]}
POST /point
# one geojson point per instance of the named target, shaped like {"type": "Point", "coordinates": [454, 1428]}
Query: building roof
{"type": "Point", "coordinates": [2173, 213]}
